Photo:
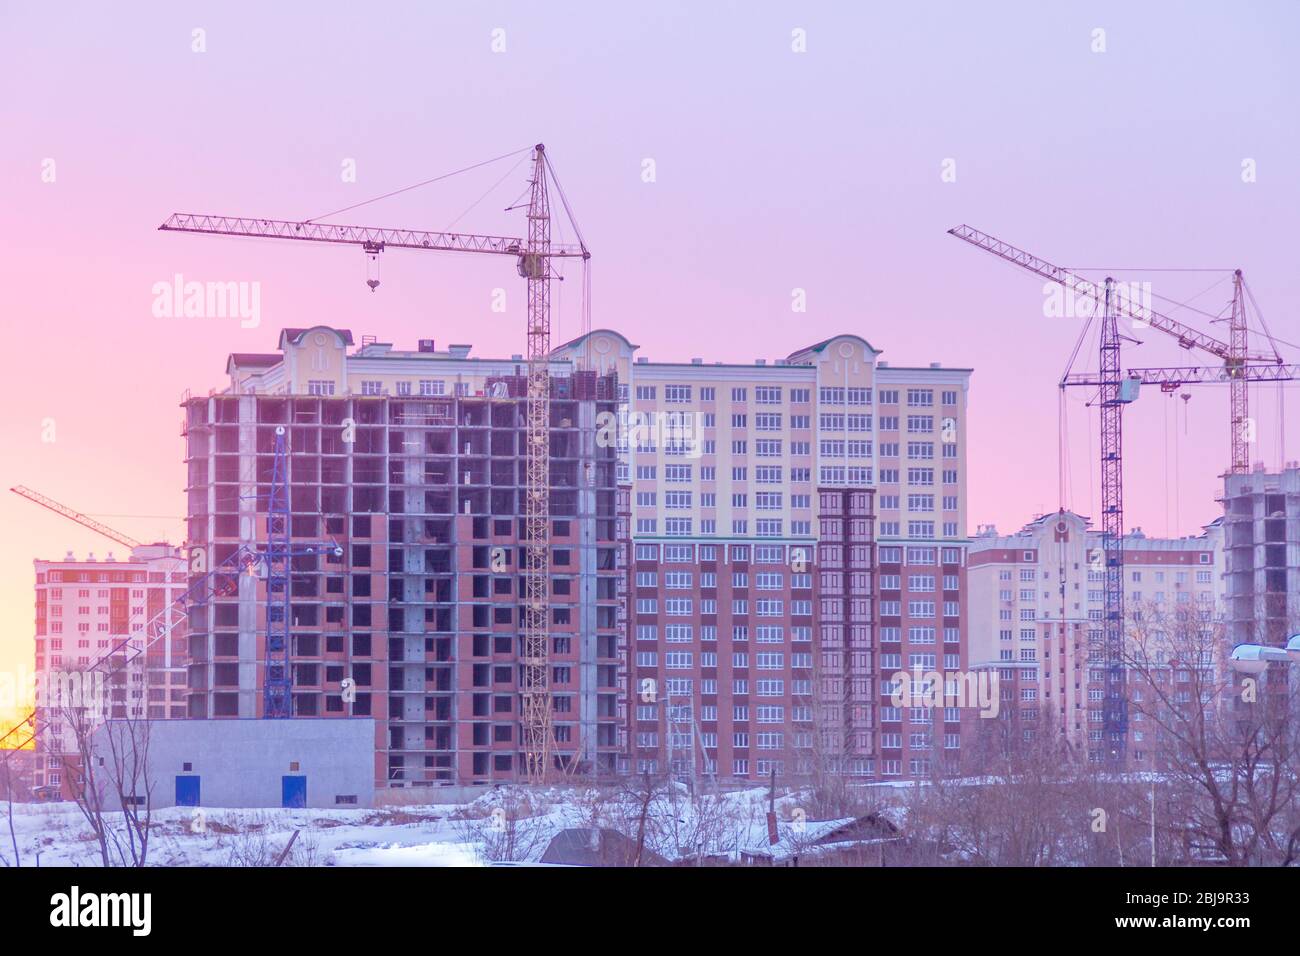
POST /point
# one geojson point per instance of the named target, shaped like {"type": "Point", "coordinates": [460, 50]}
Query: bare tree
{"type": "Point", "coordinates": [109, 761]}
{"type": "Point", "coordinates": [825, 763]}
{"type": "Point", "coordinates": [1028, 798]}
{"type": "Point", "coordinates": [15, 777]}
{"type": "Point", "coordinates": [1225, 745]}
{"type": "Point", "coordinates": [508, 828]}
{"type": "Point", "coordinates": [632, 811]}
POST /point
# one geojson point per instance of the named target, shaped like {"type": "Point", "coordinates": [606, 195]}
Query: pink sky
{"type": "Point", "coordinates": [775, 170]}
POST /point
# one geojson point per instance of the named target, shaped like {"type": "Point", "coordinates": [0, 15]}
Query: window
{"type": "Point", "coordinates": [315, 387]}
{"type": "Point", "coordinates": [371, 387]}
{"type": "Point", "coordinates": [677, 393]}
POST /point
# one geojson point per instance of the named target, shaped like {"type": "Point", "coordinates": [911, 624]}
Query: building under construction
{"type": "Point", "coordinates": [696, 511]}
{"type": "Point", "coordinates": [1261, 513]}
{"type": "Point", "coordinates": [411, 466]}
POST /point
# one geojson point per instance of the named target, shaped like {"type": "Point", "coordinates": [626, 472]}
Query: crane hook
{"type": "Point", "coordinates": [372, 250]}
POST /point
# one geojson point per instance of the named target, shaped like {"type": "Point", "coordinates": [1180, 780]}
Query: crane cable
{"type": "Point", "coordinates": [426, 182]}
{"type": "Point", "coordinates": [586, 259]}
{"type": "Point", "coordinates": [1165, 449]}
{"type": "Point", "coordinates": [487, 193]}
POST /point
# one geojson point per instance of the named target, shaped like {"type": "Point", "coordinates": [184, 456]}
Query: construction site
{"type": "Point", "coordinates": [539, 568]}
{"type": "Point", "coordinates": [443, 565]}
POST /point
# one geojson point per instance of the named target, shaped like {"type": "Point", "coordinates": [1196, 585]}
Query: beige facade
{"type": "Point", "coordinates": [829, 415]}
{"type": "Point", "coordinates": [1036, 602]}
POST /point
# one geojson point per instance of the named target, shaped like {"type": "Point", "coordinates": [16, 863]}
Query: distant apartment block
{"type": "Point", "coordinates": [118, 616]}
{"type": "Point", "coordinates": [1036, 615]}
{"type": "Point", "coordinates": [798, 530]}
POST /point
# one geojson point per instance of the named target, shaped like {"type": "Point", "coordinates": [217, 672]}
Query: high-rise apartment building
{"type": "Point", "coordinates": [739, 552]}
{"type": "Point", "coordinates": [1037, 611]}
{"type": "Point", "coordinates": [799, 534]}
{"type": "Point", "coordinates": [410, 465]}
{"type": "Point", "coordinates": [119, 617]}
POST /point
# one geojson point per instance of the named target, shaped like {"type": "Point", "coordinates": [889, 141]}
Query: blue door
{"type": "Point", "coordinates": [187, 791]}
{"type": "Point", "coordinates": [293, 791]}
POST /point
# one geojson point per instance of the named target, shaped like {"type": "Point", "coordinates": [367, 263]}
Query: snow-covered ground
{"type": "Point", "coordinates": [411, 836]}
{"type": "Point", "coordinates": [500, 825]}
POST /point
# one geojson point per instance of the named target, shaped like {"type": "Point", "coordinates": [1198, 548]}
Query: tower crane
{"type": "Point", "coordinates": [533, 256]}
{"type": "Point", "coordinates": [1116, 391]}
{"type": "Point", "coordinates": [74, 515]}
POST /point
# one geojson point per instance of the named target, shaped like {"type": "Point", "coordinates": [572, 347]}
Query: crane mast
{"type": "Point", "coordinates": [1237, 387]}
{"type": "Point", "coordinates": [535, 266]}
{"type": "Point", "coordinates": [1114, 712]}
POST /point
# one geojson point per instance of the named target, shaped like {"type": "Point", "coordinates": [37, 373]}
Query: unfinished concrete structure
{"type": "Point", "coordinates": [1261, 514]}
{"type": "Point", "coordinates": [413, 464]}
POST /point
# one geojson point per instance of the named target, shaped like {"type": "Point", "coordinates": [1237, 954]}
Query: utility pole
{"type": "Point", "coordinates": [1153, 820]}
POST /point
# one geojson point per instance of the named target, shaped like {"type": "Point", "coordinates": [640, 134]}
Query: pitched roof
{"type": "Point", "coordinates": [252, 360]}
{"type": "Point", "coordinates": [597, 846]}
